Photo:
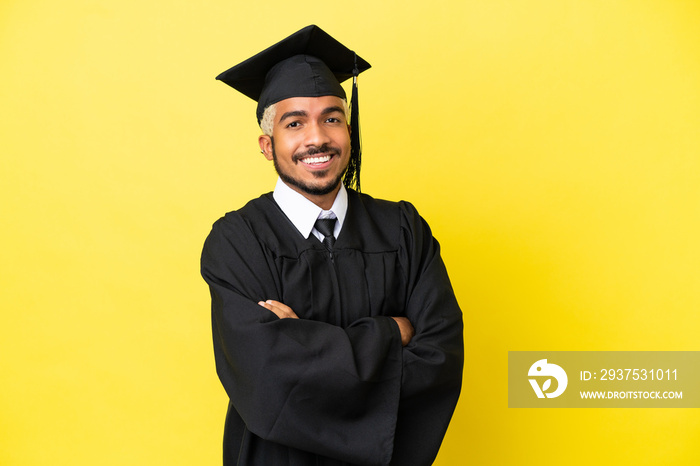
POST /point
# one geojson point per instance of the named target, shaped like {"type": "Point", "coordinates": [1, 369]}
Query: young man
{"type": "Point", "coordinates": [337, 335]}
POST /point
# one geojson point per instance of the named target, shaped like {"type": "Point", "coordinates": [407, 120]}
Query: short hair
{"type": "Point", "coordinates": [268, 119]}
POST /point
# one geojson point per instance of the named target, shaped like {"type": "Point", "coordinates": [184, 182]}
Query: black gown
{"type": "Point", "coordinates": [334, 387]}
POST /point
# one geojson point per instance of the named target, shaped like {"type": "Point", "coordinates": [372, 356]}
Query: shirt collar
{"type": "Point", "coordinates": [303, 213]}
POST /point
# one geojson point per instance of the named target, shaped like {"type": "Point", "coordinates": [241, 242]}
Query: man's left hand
{"type": "Point", "coordinates": [281, 310]}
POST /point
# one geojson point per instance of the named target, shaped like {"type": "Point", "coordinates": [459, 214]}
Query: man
{"type": "Point", "coordinates": [337, 335]}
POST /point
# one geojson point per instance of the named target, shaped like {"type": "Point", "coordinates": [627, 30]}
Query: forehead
{"type": "Point", "coordinates": [309, 105]}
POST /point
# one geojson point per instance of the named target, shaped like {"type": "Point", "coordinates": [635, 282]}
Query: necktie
{"type": "Point", "coordinates": [326, 226]}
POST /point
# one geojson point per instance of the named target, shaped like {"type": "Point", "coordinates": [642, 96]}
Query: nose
{"type": "Point", "coordinates": [316, 135]}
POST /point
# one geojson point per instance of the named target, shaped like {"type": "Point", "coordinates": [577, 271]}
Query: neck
{"type": "Point", "coordinates": [324, 201]}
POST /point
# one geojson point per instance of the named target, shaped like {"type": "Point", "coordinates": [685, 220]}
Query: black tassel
{"type": "Point", "coordinates": [352, 175]}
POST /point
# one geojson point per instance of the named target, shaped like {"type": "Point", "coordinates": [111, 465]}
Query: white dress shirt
{"type": "Point", "coordinates": [303, 213]}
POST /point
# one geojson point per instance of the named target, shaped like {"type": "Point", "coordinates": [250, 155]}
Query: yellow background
{"type": "Point", "coordinates": [552, 146]}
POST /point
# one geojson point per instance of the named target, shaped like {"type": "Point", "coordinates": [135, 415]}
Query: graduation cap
{"type": "Point", "coordinates": [309, 63]}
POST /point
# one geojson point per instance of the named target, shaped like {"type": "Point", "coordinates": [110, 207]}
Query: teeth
{"type": "Point", "coordinates": [312, 160]}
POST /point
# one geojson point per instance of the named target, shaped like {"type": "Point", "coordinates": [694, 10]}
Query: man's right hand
{"type": "Point", "coordinates": [406, 329]}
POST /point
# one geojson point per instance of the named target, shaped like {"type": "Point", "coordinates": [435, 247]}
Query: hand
{"type": "Point", "coordinates": [406, 329]}
{"type": "Point", "coordinates": [281, 310]}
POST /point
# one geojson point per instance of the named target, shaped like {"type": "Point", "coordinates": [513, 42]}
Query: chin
{"type": "Point", "coordinates": [315, 189]}
{"type": "Point", "coordinates": [312, 187]}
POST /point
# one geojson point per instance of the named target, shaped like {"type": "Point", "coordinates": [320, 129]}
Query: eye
{"type": "Point", "coordinates": [293, 124]}
{"type": "Point", "coordinates": [333, 120]}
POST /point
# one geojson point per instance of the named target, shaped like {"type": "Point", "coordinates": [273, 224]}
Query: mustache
{"type": "Point", "coordinates": [323, 149]}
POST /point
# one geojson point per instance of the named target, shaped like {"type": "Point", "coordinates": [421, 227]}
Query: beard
{"type": "Point", "coordinates": [314, 190]}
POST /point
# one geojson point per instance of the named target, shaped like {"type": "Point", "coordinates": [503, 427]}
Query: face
{"type": "Point", "coordinates": [310, 144]}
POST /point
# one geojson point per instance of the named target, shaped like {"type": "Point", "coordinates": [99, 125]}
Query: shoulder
{"type": "Point", "coordinates": [377, 206]}
{"type": "Point", "coordinates": [383, 211]}
{"type": "Point", "coordinates": [237, 227]}
{"type": "Point", "coordinates": [256, 211]}
{"type": "Point", "coordinates": [253, 210]}
{"type": "Point", "coordinates": [381, 225]}
{"type": "Point", "coordinates": [260, 225]}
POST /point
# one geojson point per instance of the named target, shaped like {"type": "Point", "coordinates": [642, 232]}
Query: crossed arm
{"type": "Point", "coordinates": [283, 311]}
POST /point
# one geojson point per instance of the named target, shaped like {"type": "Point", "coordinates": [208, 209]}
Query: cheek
{"type": "Point", "coordinates": [285, 147]}
{"type": "Point", "coordinates": [341, 138]}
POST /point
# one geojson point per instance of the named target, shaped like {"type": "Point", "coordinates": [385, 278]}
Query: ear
{"type": "Point", "coordinates": [265, 143]}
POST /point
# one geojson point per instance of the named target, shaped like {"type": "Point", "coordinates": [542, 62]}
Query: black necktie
{"type": "Point", "coordinates": [326, 227]}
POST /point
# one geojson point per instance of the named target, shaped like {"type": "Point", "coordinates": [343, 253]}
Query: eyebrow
{"type": "Point", "coordinates": [293, 113]}
{"type": "Point", "coordinates": [334, 109]}
{"type": "Point", "coordinates": [302, 113]}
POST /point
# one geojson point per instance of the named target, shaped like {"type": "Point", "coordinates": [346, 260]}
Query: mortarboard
{"type": "Point", "coordinates": [308, 63]}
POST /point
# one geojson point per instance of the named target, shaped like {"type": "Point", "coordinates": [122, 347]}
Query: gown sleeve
{"type": "Point", "coordinates": [300, 383]}
{"type": "Point", "coordinates": [433, 360]}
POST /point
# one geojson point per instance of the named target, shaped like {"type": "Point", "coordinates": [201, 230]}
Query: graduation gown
{"type": "Point", "coordinates": [334, 387]}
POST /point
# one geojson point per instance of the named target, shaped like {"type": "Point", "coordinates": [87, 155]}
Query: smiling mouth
{"type": "Point", "coordinates": [317, 160]}
{"type": "Point", "coordinates": [316, 156]}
